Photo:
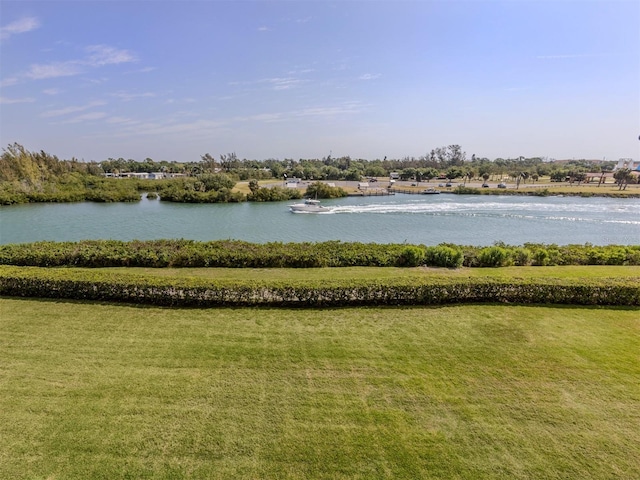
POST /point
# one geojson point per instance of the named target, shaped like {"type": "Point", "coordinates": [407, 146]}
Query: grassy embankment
{"type": "Point", "coordinates": [543, 185]}
{"type": "Point", "coordinates": [104, 391]}
{"type": "Point", "coordinates": [543, 189]}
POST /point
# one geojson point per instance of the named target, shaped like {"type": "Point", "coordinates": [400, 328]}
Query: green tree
{"type": "Point", "coordinates": [454, 172]}
{"type": "Point", "coordinates": [208, 163]}
{"type": "Point", "coordinates": [253, 186]}
{"type": "Point", "coordinates": [430, 173]}
{"type": "Point", "coordinates": [455, 155]}
{"type": "Point", "coordinates": [353, 175]}
{"type": "Point", "coordinates": [468, 175]}
{"type": "Point", "coordinates": [216, 181]}
{"type": "Point", "coordinates": [322, 190]}
{"type": "Point", "coordinates": [229, 161]}
{"type": "Point", "coordinates": [407, 173]}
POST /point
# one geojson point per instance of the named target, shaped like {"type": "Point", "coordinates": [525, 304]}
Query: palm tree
{"type": "Point", "coordinates": [623, 176]}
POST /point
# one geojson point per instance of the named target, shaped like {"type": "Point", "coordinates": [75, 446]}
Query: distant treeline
{"type": "Point", "coordinates": [41, 177]}
{"type": "Point", "coordinates": [240, 254]}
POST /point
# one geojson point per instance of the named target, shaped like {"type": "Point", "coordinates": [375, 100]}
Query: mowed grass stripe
{"type": "Point", "coordinates": [572, 272]}
{"type": "Point", "coordinates": [106, 391]}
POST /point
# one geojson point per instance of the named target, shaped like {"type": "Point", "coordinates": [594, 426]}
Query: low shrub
{"type": "Point", "coordinates": [239, 254]}
{"type": "Point", "coordinates": [494, 257]}
{"type": "Point", "coordinates": [78, 284]}
{"type": "Point", "coordinates": [411, 256]}
{"type": "Point", "coordinates": [444, 256]}
{"type": "Point", "coordinates": [274, 194]}
{"type": "Point", "coordinates": [322, 190]}
{"type": "Point", "coordinates": [521, 257]}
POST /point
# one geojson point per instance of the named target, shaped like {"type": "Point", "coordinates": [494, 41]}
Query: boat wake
{"type": "Point", "coordinates": [329, 211]}
{"type": "Point", "coordinates": [531, 211]}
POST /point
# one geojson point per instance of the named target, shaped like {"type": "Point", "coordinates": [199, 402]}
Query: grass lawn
{"type": "Point", "coordinates": [105, 391]}
{"type": "Point", "coordinates": [572, 273]}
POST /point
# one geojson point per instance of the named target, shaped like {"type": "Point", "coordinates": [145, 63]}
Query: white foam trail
{"type": "Point", "coordinates": [484, 208]}
{"type": "Point", "coordinates": [571, 212]}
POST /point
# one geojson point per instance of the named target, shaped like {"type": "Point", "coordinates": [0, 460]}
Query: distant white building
{"type": "Point", "coordinates": [627, 163]}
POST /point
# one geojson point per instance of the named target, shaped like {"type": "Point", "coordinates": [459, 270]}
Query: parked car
{"type": "Point", "coordinates": [485, 185]}
{"type": "Point", "coordinates": [448, 184]}
{"type": "Point", "coordinates": [502, 185]}
{"type": "Point", "coordinates": [441, 185]}
{"type": "Point", "coordinates": [372, 180]}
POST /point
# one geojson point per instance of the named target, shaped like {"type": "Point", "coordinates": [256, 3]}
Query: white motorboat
{"type": "Point", "coordinates": [310, 205]}
{"type": "Point", "coordinates": [430, 191]}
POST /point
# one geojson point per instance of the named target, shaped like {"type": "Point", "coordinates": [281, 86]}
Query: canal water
{"type": "Point", "coordinates": [416, 219]}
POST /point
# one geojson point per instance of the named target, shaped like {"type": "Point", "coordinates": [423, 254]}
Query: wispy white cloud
{"type": "Point", "coordinates": [143, 70]}
{"type": "Point", "coordinates": [369, 76]}
{"type": "Point", "coordinates": [332, 110]}
{"type": "Point", "coordinates": [303, 71]}
{"type": "Point", "coordinates": [295, 115]}
{"type": "Point", "coordinates": [265, 117]}
{"type": "Point", "coordinates": [72, 109]}
{"type": "Point", "coordinates": [275, 83]}
{"type": "Point", "coordinates": [570, 56]}
{"type": "Point", "coordinates": [97, 80]}
{"type": "Point", "coordinates": [53, 70]}
{"type": "Point", "coordinates": [22, 25]}
{"type": "Point", "coordinates": [126, 96]}
{"type": "Point", "coordinates": [122, 121]}
{"type": "Point", "coordinates": [52, 91]}
{"type": "Point", "coordinates": [198, 127]}
{"type": "Point", "coordinates": [98, 56]}
{"type": "Point", "coordinates": [178, 101]}
{"type": "Point", "coordinates": [281, 83]}
{"type": "Point", "coordinates": [203, 128]}
{"type": "Point", "coordinates": [9, 101]}
{"type": "Point", "coordinates": [86, 117]}
{"type": "Point", "coordinates": [264, 29]}
{"type": "Point", "coordinates": [7, 82]}
{"type": "Point", "coordinates": [284, 83]}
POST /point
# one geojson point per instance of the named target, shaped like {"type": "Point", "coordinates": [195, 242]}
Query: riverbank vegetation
{"type": "Point", "coordinates": [113, 391]}
{"type": "Point", "coordinates": [240, 254]}
{"type": "Point", "coordinates": [27, 176]}
{"type": "Point", "coordinates": [111, 272]}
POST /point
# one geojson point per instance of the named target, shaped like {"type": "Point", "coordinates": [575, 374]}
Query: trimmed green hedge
{"type": "Point", "coordinates": [96, 285]}
{"type": "Point", "coordinates": [239, 254]}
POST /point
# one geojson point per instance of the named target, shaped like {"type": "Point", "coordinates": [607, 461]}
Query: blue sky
{"type": "Point", "coordinates": [173, 80]}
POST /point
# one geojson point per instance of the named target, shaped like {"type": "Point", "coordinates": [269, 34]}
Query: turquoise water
{"type": "Point", "coordinates": [425, 219]}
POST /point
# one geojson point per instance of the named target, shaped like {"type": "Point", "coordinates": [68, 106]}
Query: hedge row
{"type": "Point", "coordinates": [69, 283]}
{"type": "Point", "coordinates": [239, 254]}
